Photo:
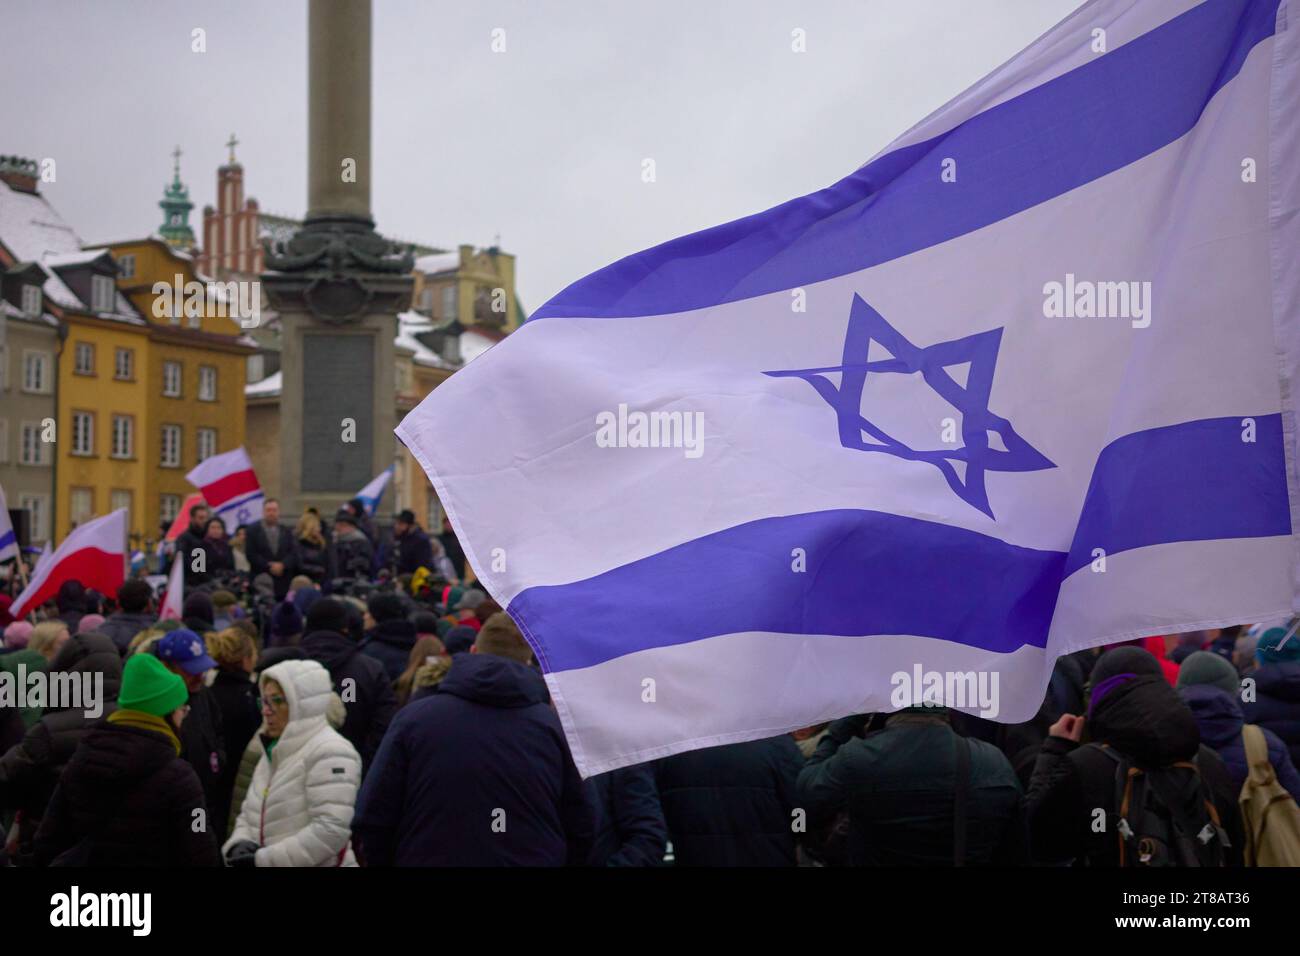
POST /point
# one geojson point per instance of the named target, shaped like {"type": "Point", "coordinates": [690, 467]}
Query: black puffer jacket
{"type": "Point", "coordinates": [128, 791]}
{"type": "Point", "coordinates": [732, 805]}
{"type": "Point", "coordinates": [235, 696]}
{"type": "Point", "coordinates": [30, 771]}
{"type": "Point", "coordinates": [203, 744]}
{"type": "Point", "coordinates": [1145, 721]}
{"type": "Point", "coordinates": [390, 643]}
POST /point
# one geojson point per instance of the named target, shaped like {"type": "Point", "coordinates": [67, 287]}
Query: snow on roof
{"type": "Point", "coordinates": [409, 324]}
{"type": "Point", "coordinates": [269, 386]}
{"type": "Point", "coordinates": [473, 344]}
{"type": "Point", "coordinates": [34, 232]}
{"type": "Point", "coordinates": [438, 262]}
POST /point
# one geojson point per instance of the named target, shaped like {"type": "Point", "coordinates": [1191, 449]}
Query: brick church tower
{"type": "Point", "coordinates": [230, 232]}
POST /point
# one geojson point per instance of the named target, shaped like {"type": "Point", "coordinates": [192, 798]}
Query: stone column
{"type": "Point", "coordinates": [338, 109]}
{"type": "Point", "coordinates": [337, 285]}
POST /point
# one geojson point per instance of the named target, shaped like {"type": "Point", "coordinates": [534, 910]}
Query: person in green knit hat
{"type": "Point", "coordinates": [127, 798]}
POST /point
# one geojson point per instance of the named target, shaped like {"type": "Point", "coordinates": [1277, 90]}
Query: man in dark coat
{"type": "Point", "coordinates": [362, 682]}
{"type": "Point", "coordinates": [414, 550]}
{"type": "Point", "coordinates": [478, 773]}
{"type": "Point", "coordinates": [900, 788]}
{"type": "Point", "coordinates": [191, 540]}
{"type": "Point", "coordinates": [202, 736]}
{"type": "Point", "coordinates": [127, 798]}
{"type": "Point", "coordinates": [1134, 712]}
{"type": "Point", "coordinates": [353, 552]}
{"type": "Point", "coordinates": [389, 635]}
{"type": "Point", "coordinates": [630, 828]}
{"type": "Point", "coordinates": [1276, 703]}
{"type": "Point", "coordinates": [71, 602]}
{"type": "Point", "coordinates": [134, 614]}
{"type": "Point", "coordinates": [732, 805]}
{"type": "Point", "coordinates": [272, 549]}
{"type": "Point", "coordinates": [30, 771]}
{"type": "Point", "coordinates": [451, 546]}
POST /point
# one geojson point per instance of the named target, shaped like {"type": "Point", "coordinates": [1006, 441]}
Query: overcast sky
{"type": "Point", "coordinates": [542, 144]}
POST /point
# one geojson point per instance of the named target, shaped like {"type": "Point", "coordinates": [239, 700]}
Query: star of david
{"type": "Point", "coordinates": [979, 351]}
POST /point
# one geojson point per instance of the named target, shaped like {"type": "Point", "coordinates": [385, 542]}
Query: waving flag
{"type": "Point", "coordinates": [8, 540]}
{"type": "Point", "coordinates": [230, 488]}
{"type": "Point", "coordinates": [373, 492]}
{"type": "Point", "coordinates": [173, 602]}
{"type": "Point", "coordinates": [1023, 384]}
{"type": "Point", "coordinates": [94, 554]}
{"type": "Point", "coordinates": [182, 519]}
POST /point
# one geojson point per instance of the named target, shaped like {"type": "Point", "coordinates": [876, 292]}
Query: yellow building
{"type": "Point", "coordinates": [142, 402]}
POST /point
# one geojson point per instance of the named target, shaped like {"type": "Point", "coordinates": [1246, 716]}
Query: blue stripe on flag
{"type": "Point", "coordinates": [1069, 131]}
{"type": "Point", "coordinates": [8, 539]}
{"type": "Point", "coordinates": [874, 573]}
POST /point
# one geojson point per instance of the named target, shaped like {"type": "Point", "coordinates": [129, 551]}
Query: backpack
{"type": "Point", "coordinates": [1166, 815]}
{"type": "Point", "coordinates": [1269, 814]}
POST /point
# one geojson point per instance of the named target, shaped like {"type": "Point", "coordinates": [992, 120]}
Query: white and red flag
{"type": "Point", "coordinates": [230, 488]}
{"type": "Point", "coordinates": [94, 554]}
{"type": "Point", "coordinates": [174, 597]}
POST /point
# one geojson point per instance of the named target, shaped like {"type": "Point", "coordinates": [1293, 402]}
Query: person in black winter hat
{"type": "Point", "coordinates": [196, 612]}
{"type": "Point", "coordinates": [1134, 719]}
{"type": "Point", "coordinates": [459, 639]}
{"type": "Point", "coordinates": [389, 635]}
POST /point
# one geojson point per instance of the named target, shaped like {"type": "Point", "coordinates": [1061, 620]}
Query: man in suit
{"type": "Point", "coordinates": [271, 549]}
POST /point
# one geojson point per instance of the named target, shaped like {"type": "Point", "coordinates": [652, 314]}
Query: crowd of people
{"type": "Point", "coordinates": [335, 696]}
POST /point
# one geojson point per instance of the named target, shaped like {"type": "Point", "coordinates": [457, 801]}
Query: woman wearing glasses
{"type": "Point", "coordinates": [298, 809]}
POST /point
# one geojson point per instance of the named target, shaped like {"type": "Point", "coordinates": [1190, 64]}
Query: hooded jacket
{"type": "Point", "coordinates": [1219, 717]}
{"type": "Point", "coordinates": [126, 788]}
{"type": "Point", "coordinates": [476, 774]}
{"type": "Point", "coordinates": [390, 643]}
{"type": "Point", "coordinates": [1144, 720]}
{"type": "Point", "coordinates": [371, 709]}
{"type": "Point", "coordinates": [299, 806]}
{"type": "Point", "coordinates": [30, 771]}
{"type": "Point", "coordinates": [1277, 703]}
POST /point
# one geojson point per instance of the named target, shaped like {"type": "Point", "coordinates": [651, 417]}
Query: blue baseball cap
{"type": "Point", "coordinates": [186, 650]}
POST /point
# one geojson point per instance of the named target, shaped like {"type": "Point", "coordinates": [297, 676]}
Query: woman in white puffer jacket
{"type": "Point", "coordinates": [298, 809]}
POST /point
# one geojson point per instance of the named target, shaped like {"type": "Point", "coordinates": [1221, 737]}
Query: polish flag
{"type": "Point", "coordinates": [94, 554]}
{"type": "Point", "coordinates": [174, 597]}
{"type": "Point", "coordinates": [230, 488]}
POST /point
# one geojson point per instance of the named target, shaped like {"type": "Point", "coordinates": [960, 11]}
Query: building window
{"type": "Point", "coordinates": [124, 364]}
{"type": "Point", "coordinates": [171, 446]}
{"type": "Point", "coordinates": [119, 498]}
{"type": "Point", "coordinates": [126, 266]}
{"type": "Point", "coordinates": [81, 505]}
{"type": "Point", "coordinates": [83, 433]}
{"type": "Point", "coordinates": [101, 294]}
{"type": "Point", "coordinates": [207, 443]}
{"type": "Point", "coordinates": [31, 450]}
{"type": "Point", "coordinates": [4, 440]}
{"type": "Point", "coordinates": [83, 359]}
{"type": "Point", "coordinates": [36, 372]}
{"type": "Point", "coordinates": [426, 300]}
{"type": "Point", "coordinates": [449, 301]}
{"type": "Point", "coordinates": [169, 508]}
{"type": "Point", "coordinates": [256, 368]}
{"type": "Point", "coordinates": [172, 379]}
{"type": "Point", "coordinates": [32, 299]}
{"type": "Point", "coordinates": [123, 436]}
{"type": "Point", "coordinates": [37, 507]}
{"type": "Point", "coordinates": [207, 383]}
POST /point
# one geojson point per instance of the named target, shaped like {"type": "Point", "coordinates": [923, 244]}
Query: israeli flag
{"type": "Point", "coordinates": [8, 539]}
{"type": "Point", "coordinates": [1023, 384]}
{"type": "Point", "coordinates": [371, 494]}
